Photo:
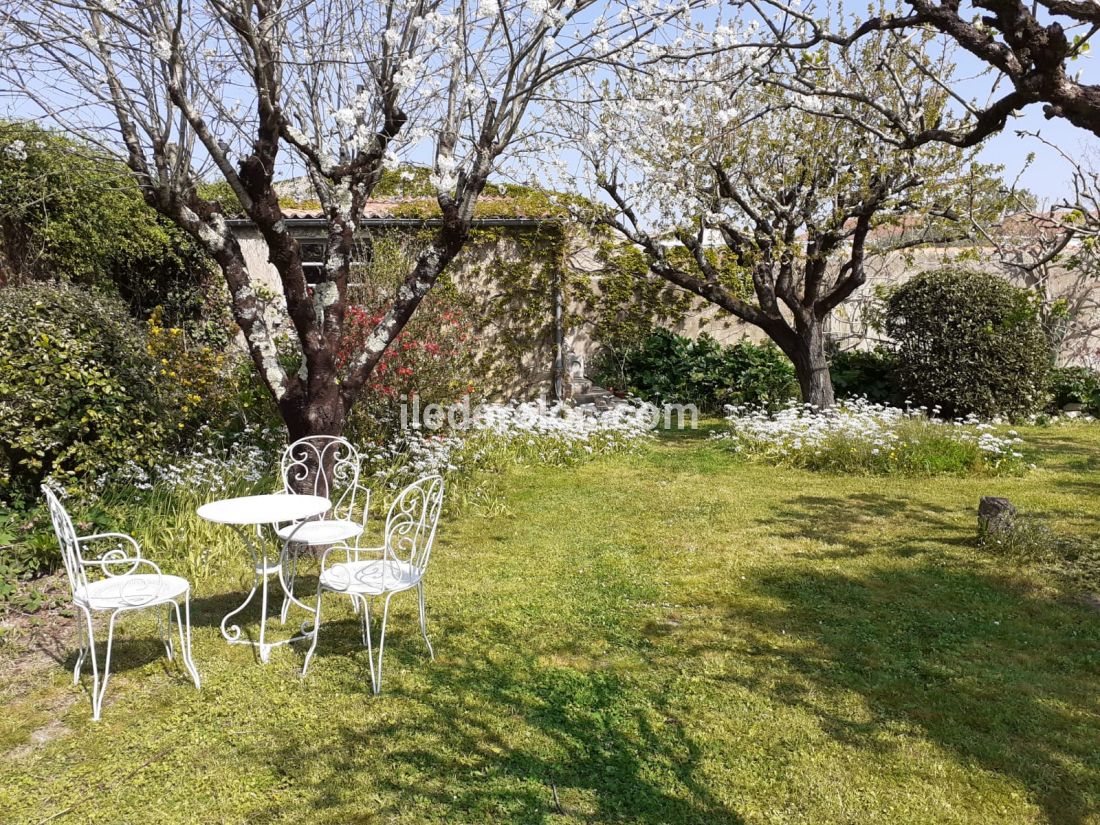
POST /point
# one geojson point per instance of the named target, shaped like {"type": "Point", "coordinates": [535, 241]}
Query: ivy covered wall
{"type": "Point", "coordinates": [509, 281]}
{"type": "Point", "coordinates": [504, 283]}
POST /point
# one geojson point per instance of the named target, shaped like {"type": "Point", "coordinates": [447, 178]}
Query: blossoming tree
{"type": "Point", "coordinates": [253, 90]}
{"type": "Point", "coordinates": [1029, 48]}
{"type": "Point", "coordinates": [758, 200]}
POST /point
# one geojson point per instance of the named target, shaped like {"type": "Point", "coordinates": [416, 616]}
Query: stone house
{"type": "Point", "coordinates": [509, 276]}
{"type": "Point", "coordinates": [532, 281]}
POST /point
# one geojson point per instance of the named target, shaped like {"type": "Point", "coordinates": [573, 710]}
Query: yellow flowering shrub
{"type": "Point", "coordinates": [194, 382]}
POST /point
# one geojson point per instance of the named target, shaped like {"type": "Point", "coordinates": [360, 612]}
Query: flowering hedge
{"type": "Point", "coordinates": [858, 436]}
{"type": "Point", "coordinates": [431, 357]}
{"type": "Point", "coordinates": [523, 433]}
{"type": "Point", "coordinates": [195, 382]}
{"type": "Point", "coordinates": [217, 463]}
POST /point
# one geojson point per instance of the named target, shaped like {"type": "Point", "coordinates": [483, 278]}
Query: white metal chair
{"type": "Point", "coordinates": [120, 589]}
{"type": "Point", "coordinates": [328, 466]}
{"type": "Point", "coordinates": [410, 532]}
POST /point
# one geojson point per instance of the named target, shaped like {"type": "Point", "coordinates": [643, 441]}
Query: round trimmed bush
{"type": "Point", "coordinates": [77, 392]}
{"type": "Point", "coordinates": [969, 342]}
{"type": "Point", "coordinates": [871, 374]}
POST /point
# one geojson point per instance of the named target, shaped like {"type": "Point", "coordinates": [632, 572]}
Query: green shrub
{"type": "Point", "coordinates": [655, 370]}
{"type": "Point", "coordinates": [28, 549]}
{"type": "Point", "coordinates": [78, 389]}
{"type": "Point", "coordinates": [671, 369]}
{"type": "Point", "coordinates": [868, 373]}
{"type": "Point", "coordinates": [1074, 385]}
{"type": "Point", "coordinates": [760, 375]}
{"type": "Point", "coordinates": [203, 388]}
{"type": "Point", "coordinates": [970, 343]}
{"type": "Point", "coordinates": [24, 553]}
{"type": "Point", "coordinates": [65, 208]}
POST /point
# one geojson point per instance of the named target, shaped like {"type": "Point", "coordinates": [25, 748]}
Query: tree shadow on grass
{"type": "Point", "coordinates": [596, 748]}
{"type": "Point", "coordinates": [1068, 452]}
{"type": "Point", "coordinates": [209, 610]}
{"type": "Point", "coordinates": [1089, 486]}
{"type": "Point", "coordinates": [504, 739]}
{"type": "Point", "coordinates": [1085, 486]}
{"type": "Point", "coordinates": [849, 521]}
{"type": "Point", "coordinates": [1007, 681]}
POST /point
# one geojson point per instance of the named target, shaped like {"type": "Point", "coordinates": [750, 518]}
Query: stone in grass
{"type": "Point", "coordinates": [995, 516]}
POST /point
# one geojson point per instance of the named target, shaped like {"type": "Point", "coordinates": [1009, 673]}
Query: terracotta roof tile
{"type": "Point", "coordinates": [1018, 225]}
{"type": "Point", "coordinates": [487, 207]}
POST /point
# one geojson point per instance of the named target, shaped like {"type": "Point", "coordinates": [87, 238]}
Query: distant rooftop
{"type": "Point", "coordinates": [408, 199]}
{"type": "Point", "coordinates": [491, 208]}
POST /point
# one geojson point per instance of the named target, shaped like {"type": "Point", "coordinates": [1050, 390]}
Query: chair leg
{"type": "Point", "coordinates": [95, 665]}
{"type": "Point", "coordinates": [361, 609]}
{"type": "Point", "coordinates": [84, 630]}
{"type": "Point", "coordinates": [168, 646]}
{"type": "Point", "coordinates": [423, 620]}
{"type": "Point", "coordinates": [291, 575]}
{"type": "Point", "coordinates": [97, 694]}
{"type": "Point", "coordinates": [316, 631]}
{"type": "Point", "coordinates": [381, 645]}
{"type": "Point", "coordinates": [263, 649]}
{"type": "Point", "coordinates": [368, 643]}
{"type": "Point", "coordinates": [185, 640]}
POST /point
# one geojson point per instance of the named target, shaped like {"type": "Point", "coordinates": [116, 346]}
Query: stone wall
{"type": "Point", "coordinates": [505, 280]}
{"type": "Point", "coordinates": [509, 277]}
{"type": "Point", "coordinates": [851, 324]}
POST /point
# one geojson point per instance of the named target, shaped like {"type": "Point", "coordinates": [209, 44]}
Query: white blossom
{"type": "Point", "coordinates": [345, 117]}
{"type": "Point", "coordinates": [16, 149]}
{"type": "Point", "coordinates": [857, 425]}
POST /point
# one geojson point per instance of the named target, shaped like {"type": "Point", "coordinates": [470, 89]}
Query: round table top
{"type": "Point", "coordinates": [266, 509]}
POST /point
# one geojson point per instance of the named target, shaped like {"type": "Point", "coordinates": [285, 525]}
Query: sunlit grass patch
{"type": "Point", "coordinates": [662, 635]}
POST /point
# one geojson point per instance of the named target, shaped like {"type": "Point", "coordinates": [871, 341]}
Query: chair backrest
{"type": "Point", "coordinates": [411, 523]}
{"type": "Point", "coordinates": [67, 538]}
{"type": "Point", "coordinates": [325, 465]}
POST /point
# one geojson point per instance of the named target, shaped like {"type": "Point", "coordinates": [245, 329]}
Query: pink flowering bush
{"type": "Point", "coordinates": [433, 358]}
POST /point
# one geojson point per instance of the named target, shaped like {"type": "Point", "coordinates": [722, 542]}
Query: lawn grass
{"type": "Point", "coordinates": [671, 636]}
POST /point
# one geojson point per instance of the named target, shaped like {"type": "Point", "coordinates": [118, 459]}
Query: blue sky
{"type": "Point", "coordinates": [1048, 176]}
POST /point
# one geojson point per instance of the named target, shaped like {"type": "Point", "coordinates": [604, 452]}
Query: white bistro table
{"type": "Point", "coordinates": [256, 512]}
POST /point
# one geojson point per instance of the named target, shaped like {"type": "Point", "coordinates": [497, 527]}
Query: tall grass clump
{"type": "Point", "coordinates": [1074, 560]}
{"type": "Point", "coordinates": [859, 437]}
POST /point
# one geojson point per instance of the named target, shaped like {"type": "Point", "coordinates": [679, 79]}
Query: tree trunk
{"type": "Point", "coordinates": [320, 413]}
{"type": "Point", "coordinates": [811, 366]}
